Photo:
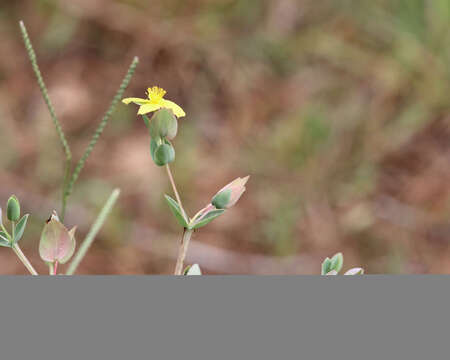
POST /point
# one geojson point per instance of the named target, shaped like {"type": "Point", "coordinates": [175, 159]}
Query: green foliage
{"type": "Point", "coordinates": [20, 228]}
{"type": "Point", "coordinates": [206, 219]}
{"type": "Point", "coordinates": [176, 211]}
{"type": "Point", "coordinates": [93, 231]}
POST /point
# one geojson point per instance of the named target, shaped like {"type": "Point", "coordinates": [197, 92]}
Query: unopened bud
{"type": "Point", "coordinates": [164, 154]}
{"type": "Point", "coordinates": [13, 209]}
{"type": "Point", "coordinates": [230, 194]}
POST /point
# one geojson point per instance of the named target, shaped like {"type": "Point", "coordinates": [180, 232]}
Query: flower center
{"type": "Point", "coordinates": [155, 94]}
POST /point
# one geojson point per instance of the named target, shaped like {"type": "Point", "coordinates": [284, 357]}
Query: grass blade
{"type": "Point", "coordinates": [90, 237]}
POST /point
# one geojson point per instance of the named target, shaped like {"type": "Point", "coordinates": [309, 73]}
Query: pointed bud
{"type": "Point", "coordinates": [13, 209]}
{"type": "Point", "coordinates": [57, 243]}
{"type": "Point", "coordinates": [230, 194]}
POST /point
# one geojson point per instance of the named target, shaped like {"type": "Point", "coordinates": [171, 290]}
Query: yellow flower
{"type": "Point", "coordinates": [155, 102]}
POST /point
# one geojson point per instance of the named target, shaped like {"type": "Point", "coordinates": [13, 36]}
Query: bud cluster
{"type": "Point", "coordinates": [163, 127]}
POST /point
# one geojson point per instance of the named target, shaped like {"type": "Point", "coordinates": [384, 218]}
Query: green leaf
{"type": "Point", "coordinates": [4, 240]}
{"type": "Point", "coordinates": [153, 146]}
{"type": "Point", "coordinates": [336, 262]}
{"type": "Point", "coordinates": [210, 216]}
{"type": "Point", "coordinates": [146, 121]}
{"type": "Point", "coordinates": [20, 228]}
{"type": "Point", "coordinates": [176, 210]}
{"type": "Point", "coordinates": [1, 223]}
{"type": "Point", "coordinates": [326, 266]}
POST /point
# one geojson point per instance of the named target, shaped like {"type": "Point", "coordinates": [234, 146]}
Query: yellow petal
{"type": "Point", "coordinates": [177, 110]}
{"type": "Point", "coordinates": [146, 108]}
{"type": "Point", "coordinates": [137, 101]}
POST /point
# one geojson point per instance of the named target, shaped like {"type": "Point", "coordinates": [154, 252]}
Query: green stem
{"type": "Point", "coordinates": [24, 259]}
{"type": "Point", "coordinates": [182, 251]}
{"type": "Point", "coordinates": [174, 187]}
{"type": "Point", "coordinates": [64, 187]}
{"type": "Point", "coordinates": [95, 228]}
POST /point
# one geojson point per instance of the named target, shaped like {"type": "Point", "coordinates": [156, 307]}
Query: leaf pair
{"type": "Point", "coordinates": [7, 240]}
{"type": "Point", "coordinates": [334, 265]}
{"type": "Point", "coordinates": [209, 215]}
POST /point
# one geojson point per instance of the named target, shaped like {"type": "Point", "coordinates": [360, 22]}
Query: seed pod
{"type": "Point", "coordinates": [57, 243]}
{"type": "Point", "coordinates": [13, 209]}
{"type": "Point", "coordinates": [163, 124]}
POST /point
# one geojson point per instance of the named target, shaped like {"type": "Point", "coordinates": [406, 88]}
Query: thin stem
{"type": "Point", "coordinates": [64, 187]}
{"type": "Point", "coordinates": [182, 251]}
{"type": "Point", "coordinates": [174, 187]}
{"type": "Point", "coordinates": [95, 228]}
{"type": "Point", "coordinates": [51, 268]}
{"type": "Point", "coordinates": [101, 126]}
{"type": "Point", "coordinates": [24, 259]}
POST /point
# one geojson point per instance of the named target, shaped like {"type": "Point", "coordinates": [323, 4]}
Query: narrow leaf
{"type": "Point", "coordinates": [210, 216]}
{"type": "Point", "coordinates": [337, 261]}
{"type": "Point", "coordinates": [326, 266]}
{"type": "Point", "coordinates": [20, 228]}
{"type": "Point", "coordinates": [176, 211]}
{"type": "Point", "coordinates": [4, 241]}
{"type": "Point", "coordinates": [93, 231]}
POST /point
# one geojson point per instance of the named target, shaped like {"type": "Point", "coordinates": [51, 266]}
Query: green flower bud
{"type": "Point", "coordinates": [13, 209]}
{"type": "Point", "coordinates": [164, 154]}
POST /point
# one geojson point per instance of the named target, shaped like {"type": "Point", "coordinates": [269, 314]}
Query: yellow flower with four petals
{"type": "Point", "coordinates": [155, 102]}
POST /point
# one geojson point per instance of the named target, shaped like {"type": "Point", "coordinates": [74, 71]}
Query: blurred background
{"type": "Point", "coordinates": [337, 109]}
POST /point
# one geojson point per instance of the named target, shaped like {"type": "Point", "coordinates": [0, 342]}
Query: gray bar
{"type": "Point", "coordinates": [235, 317]}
